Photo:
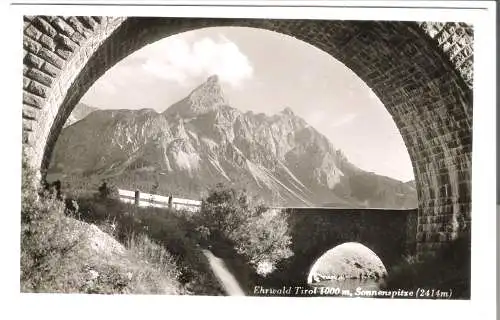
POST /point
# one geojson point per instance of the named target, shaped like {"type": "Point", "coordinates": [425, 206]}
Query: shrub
{"type": "Point", "coordinates": [169, 229]}
{"type": "Point", "coordinates": [264, 240]}
{"type": "Point", "coordinates": [448, 268]}
{"type": "Point", "coordinates": [47, 237]}
{"type": "Point", "coordinates": [62, 254]}
{"type": "Point", "coordinates": [107, 190]}
{"type": "Point", "coordinates": [148, 250]}
{"type": "Point", "coordinates": [160, 265]}
{"type": "Point", "coordinates": [260, 235]}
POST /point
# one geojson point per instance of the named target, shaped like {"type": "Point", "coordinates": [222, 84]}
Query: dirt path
{"type": "Point", "coordinates": [226, 279]}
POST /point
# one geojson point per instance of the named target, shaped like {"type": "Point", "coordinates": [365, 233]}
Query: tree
{"type": "Point", "coordinates": [265, 238]}
{"type": "Point", "coordinates": [258, 234]}
{"type": "Point", "coordinates": [154, 188]}
{"type": "Point", "coordinates": [107, 191]}
{"type": "Point", "coordinates": [56, 189]}
{"type": "Point", "coordinates": [223, 210]}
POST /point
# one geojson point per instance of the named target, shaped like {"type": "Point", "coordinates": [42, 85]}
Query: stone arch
{"type": "Point", "coordinates": [389, 233]}
{"type": "Point", "coordinates": [422, 73]}
{"type": "Point", "coordinates": [353, 259]}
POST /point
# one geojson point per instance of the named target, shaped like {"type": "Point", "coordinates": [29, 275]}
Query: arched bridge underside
{"type": "Point", "coordinates": [422, 73]}
{"type": "Point", "coordinates": [389, 233]}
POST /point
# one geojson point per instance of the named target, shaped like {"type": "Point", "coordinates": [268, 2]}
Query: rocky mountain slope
{"type": "Point", "coordinates": [202, 140]}
{"type": "Point", "coordinates": [80, 111]}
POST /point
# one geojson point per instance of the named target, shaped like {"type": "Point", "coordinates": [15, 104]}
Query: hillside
{"type": "Point", "coordinates": [80, 111]}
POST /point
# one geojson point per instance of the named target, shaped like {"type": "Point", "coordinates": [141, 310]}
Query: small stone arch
{"type": "Point", "coordinates": [347, 261]}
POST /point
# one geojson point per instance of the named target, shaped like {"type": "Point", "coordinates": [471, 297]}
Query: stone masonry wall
{"type": "Point", "coordinates": [457, 42]}
{"type": "Point", "coordinates": [55, 51]}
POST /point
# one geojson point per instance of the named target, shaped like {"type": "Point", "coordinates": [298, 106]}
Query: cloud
{"type": "Point", "coordinates": [181, 59]}
{"type": "Point", "coordinates": [103, 86]}
{"type": "Point", "coordinates": [315, 117]}
{"type": "Point", "coordinates": [345, 119]}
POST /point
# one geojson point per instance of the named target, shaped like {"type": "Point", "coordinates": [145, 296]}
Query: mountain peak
{"type": "Point", "coordinates": [213, 79]}
{"type": "Point", "coordinates": [287, 111]}
{"type": "Point", "coordinates": [206, 97]}
{"type": "Point", "coordinates": [210, 86]}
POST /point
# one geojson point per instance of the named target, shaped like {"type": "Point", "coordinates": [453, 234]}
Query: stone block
{"type": "Point", "coordinates": [27, 125]}
{"type": "Point", "coordinates": [44, 26]}
{"type": "Point", "coordinates": [31, 45]}
{"type": "Point", "coordinates": [50, 69]}
{"type": "Point", "coordinates": [432, 236]}
{"type": "Point", "coordinates": [33, 61]}
{"type": "Point", "coordinates": [40, 76]}
{"type": "Point", "coordinates": [25, 137]}
{"type": "Point", "coordinates": [32, 32]}
{"type": "Point", "coordinates": [38, 89]}
{"type": "Point", "coordinates": [88, 22]}
{"type": "Point", "coordinates": [64, 53]}
{"type": "Point", "coordinates": [63, 26]}
{"type": "Point", "coordinates": [48, 42]}
{"type": "Point", "coordinates": [52, 58]}
{"type": "Point", "coordinates": [29, 112]}
{"type": "Point", "coordinates": [420, 236]}
{"type": "Point", "coordinates": [26, 82]}
{"type": "Point", "coordinates": [33, 100]}
{"type": "Point", "coordinates": [66, 42]}
{"type": "Point", "coordinates": [78, 38]}
{"type": "Point", "coordinates": [76, 25]}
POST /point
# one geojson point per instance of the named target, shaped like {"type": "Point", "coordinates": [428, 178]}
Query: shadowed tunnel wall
{"type": "Point", "coordinates": [422, 73]}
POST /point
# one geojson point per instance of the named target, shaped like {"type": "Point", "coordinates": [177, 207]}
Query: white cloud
{"type": "Point", "coordinates": [345, 119]}
{"type": "Point", "coordinates": [180, 60]}
{"type": "Point", "coordinates": [315, 117]}
{"type": "Point", "coordinates": [103, 86]}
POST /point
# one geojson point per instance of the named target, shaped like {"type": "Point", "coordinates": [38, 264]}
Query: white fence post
{"type": "Point", "coordinates": [141, 199]}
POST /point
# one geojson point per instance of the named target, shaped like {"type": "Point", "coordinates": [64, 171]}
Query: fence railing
{"type": "Point", "coordinates": [142, 199]}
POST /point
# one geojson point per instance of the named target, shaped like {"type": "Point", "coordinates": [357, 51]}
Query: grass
{"type": "Point", "coordinates": [169, 229]}
{"type": "Point", "coordinates": [103, 249]}
{"type": "Point", "coordinates": [158, 267]}
{"type": "Point", "coordinates": [62, 254]}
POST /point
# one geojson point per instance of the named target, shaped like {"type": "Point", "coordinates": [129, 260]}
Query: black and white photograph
{"type": "Point", "coordinates": [294, 156]}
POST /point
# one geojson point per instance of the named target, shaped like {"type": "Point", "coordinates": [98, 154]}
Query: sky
{"type": "Point", "coordinates": [262, 71]}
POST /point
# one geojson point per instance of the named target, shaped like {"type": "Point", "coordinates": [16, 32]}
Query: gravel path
{"type": "Point", "coordinates": [226, 279]}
